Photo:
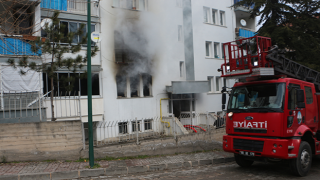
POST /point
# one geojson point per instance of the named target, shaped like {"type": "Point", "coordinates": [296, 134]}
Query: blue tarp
{"type": "Point", "coordinates": [11, 46]}
{"type": "Point", "coordinates": [55, 4]}
{"type": "Point", "coordinates": [246, 33]}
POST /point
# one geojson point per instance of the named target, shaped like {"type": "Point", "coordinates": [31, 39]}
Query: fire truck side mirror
{"type": "Point", "coordinates": [300, 98]}
{"type": "Point", "coordinates": [223, 106]}
{"type": "Point", "coordinates": [224, 98]}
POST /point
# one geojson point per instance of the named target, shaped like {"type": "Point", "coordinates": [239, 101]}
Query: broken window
{"type": "Point", "coordinates": [134, 86]}
{"type": "Point", "coordinates": [121, 86]}
{"type": "Point", "coordinates": [136, 125]}
{"type": "Point", "coordinates": [119, 47]}
{"type": "Point", "coordinates": [123, 127]}
{"type": "Point", "coordinates": [147, 84]}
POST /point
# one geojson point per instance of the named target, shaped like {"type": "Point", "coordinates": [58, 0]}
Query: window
{"type": "Point", "coordinates": [147, 84]}
{"type": "Point", "coordinates": [292, 96]}
{"type": "Point", "coordinates": [136, 125]}
{"type": "Point", "coordinates": [214, 16]}
{"type": "Point", "coordinates": [223, 49]}
{"type": "Point", "coordinates": [309, 95]}
{"type": "Point", "coordinates": [211, 82]}
{"type": "Point", "coordinates": [222, 18]}
{"type": "Point", "coordinates": [181, 68]}
{"type": "Point", "coordinates": [67, 26]}
{"type": "Point", "coordinates": [130, 4]}
{"type": "Point", "coordinates": [134, 86]}
{"type": "Point", "coordinates": [123, 127]}
{"type": "Point", "coordinates": [121, 86]}
{"type": "Point", "coordinates": [218, 84]}
{"type": "Point", "coordinates": [216, 50]}
{"type": "Point", "coordinates": [179, 32]}
{"type": "Point", "coordinates": [69, 84]}
{"type": "Point", "coordinates": [148, 124]}
{"type": "Point", "coordinates": [208, 48]}
{"type": "Point", "coordinates": [206, 14]}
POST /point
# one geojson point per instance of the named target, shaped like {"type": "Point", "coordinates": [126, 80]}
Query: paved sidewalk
{"type": "Point", "coordinates": [69, 170]}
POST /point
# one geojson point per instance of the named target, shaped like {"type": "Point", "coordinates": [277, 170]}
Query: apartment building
{"type": "Point", "coordinates": [157, 58]}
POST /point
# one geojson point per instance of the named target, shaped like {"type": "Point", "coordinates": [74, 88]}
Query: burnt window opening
{"type": "Point", "coordinates": [134, 86]}
{"type": "Point", "coordinates": [123, 127]}
{"type": "Point", "coordinates": [121, 86]}
{"type": "Point", "coordinates": [147, 84]}
{"type": "Point", "coordinates": [136, 125]}
{"type": "Point", "coordinates": [119, 48]}
{"type": "Point", "coordinates": [70, 84]}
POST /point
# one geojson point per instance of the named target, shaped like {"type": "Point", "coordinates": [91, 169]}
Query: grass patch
{"type": "Point", "coordinates": [82, 160]}
{"type": "Point", "coordinates": [96, 165]}
{"type": "Point", "coordinates": [68, 161]}
{"type": "Point", "coordinates": [50, 160]}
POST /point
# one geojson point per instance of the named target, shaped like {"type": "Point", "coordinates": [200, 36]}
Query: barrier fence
{"type": "Point", "coordinates": [131, 130]}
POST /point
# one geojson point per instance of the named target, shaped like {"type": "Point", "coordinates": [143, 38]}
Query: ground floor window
{"type": "Point", "coordinates": [123, 127]}
{"type": "Point", "coordinates": [148, 124]}
{"type": "Point", "coordinates": [136, 125]}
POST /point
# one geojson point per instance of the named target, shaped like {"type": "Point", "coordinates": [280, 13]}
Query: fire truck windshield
{"type": "Point", "coordinates": [257, 98]}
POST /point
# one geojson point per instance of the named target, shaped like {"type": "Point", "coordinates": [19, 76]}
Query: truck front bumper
{"type": "Point", "coordinates": [262, 147]}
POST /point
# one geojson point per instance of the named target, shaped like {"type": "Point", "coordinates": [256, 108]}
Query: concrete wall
{"type": "Point", "coordinates": [40, 141]}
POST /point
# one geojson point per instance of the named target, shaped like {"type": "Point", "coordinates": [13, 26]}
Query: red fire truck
{"type": "Point", "coordinates": [273, 109]}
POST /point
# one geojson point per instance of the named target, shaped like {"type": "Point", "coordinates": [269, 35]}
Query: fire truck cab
{"type": "Point", "coordinates": [272, 112]}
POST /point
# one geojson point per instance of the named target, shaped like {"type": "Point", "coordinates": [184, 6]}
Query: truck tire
{"type": "Point", "coordinates": [241, 161]}
{"type": "Point", "coordinates": [301, 165]}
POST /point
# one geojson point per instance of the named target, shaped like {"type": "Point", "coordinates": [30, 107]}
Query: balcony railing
{"type": "Point", "coordinates": [245, 33]}
{"type": "Point", "coordinates": [14, 46]}
{"type": "Point", "coordinates": [74, 6]}
{"type": "Point", "coordinates": [236, 1]}
{"type": "Point", "coordinates": [54, 4]}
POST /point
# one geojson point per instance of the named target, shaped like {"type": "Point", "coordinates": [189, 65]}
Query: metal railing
{"type": "Point", "coordinates": [18, 105]}
{"type": "Point", "coordinates": [128, 130]}
{"type": "Point", "coordinates": [15, 46]}
{"type": "Point", "coordinates": [66, 105]}
{"type": "Point", "coordinates": [111, 132]}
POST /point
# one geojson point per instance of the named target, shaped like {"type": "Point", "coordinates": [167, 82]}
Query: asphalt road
{"type": "Point", "coordinates": [224, 171]}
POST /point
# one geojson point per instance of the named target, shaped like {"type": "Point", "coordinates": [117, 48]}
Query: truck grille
{"type": "Point", "coordinates": [249, 145]}
{"type": "Point", "coordinates": [250, 130]}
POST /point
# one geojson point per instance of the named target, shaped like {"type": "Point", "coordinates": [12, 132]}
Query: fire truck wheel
{"type": "Point", "coordinates": [241, 161]}
{"type": "Point", "coordinates": [301, 165]}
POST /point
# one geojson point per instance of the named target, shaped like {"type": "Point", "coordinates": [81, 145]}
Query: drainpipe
{"type": "Point", "coordinates": [161, 112]}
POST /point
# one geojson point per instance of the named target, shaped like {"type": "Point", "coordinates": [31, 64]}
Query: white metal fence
{"type": "Point", "coordinates": [21, 105]}
{"type": "Point", "coordinates": [131, 130]}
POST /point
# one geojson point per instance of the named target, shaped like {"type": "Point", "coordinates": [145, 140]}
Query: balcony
{"type": "Point", "coordinates": [243, 8]}
{"type": "Point", "coordinates": [244, 33]}
{"type": "Point", "coordinates": [73, 6]}
{"type": "Point", "coordinates": [15, 46]}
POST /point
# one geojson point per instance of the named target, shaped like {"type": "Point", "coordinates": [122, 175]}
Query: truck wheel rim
{"type": "Point", "coordinates": [305, 159]}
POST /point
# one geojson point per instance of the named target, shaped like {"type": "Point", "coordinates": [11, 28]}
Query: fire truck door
{"type": "Point", "coordinates": [311, 108]}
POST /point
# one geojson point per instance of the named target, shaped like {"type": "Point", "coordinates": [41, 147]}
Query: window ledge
{"type": "Point", "coordinates": [212, 93]}
{"type": "Point", "coordinates": [215, 24]}
{"type": "Point", "coordinates": [214, 58]}
{"type": "Point", "coordinates": [128, 9]}
{"type": "Point", "coordinates": [134, 97]}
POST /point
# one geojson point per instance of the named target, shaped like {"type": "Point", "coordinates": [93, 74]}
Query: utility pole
{"type": "Point", "coordinates": [89, 84]}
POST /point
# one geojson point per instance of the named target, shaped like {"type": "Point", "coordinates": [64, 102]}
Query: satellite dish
{"type": "Point", "coordinates": [243, 22]}
{"type": "Point", "coordinates": [46, 21]}
{"type": "Point", "coordinates": [95, 37]}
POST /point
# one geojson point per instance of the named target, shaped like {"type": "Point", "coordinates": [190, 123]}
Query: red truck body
{"type": "Point", "coordinates": [264, 118]}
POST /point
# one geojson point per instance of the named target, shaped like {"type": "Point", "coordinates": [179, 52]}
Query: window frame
{"type": "Point", "coordinates": [208, 49]}
{"type": "Point", "coordinates": [206, 15]}
{"type": "Point", "coordinates": [222, 18]}
{"type": "Point", "coordinates": [216, 50]}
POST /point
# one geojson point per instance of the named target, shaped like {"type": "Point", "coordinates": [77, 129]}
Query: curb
{"type": "Point", "coordinates": [114, 170]}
